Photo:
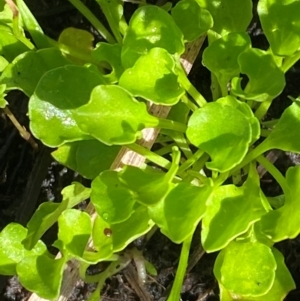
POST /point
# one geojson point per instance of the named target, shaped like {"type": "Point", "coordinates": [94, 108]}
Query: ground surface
{"type": "Point", "coordinates": [28, 178]}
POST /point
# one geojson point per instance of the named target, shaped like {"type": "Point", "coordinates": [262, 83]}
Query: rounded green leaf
{"type": "Point", "coordinates": [153, 78]}
{"type": "Point", "coordinates": [229, 15]}
{"type": "Point", "coordinates": [75, 228]}
{"type": "Point", "coordinates": [223, 132]}
{"type": "Point", "coordinates": [190, 10]}
{"type": "Point", "coordinates": [246, 269]}
{"type": "Point", "coordinates": [57, 95]}
{"type": "Point", "coordinates": [12, 250]}
{"type": "Point", "coordinates": [179, 213]}
{"type": "Point", "coordinates": [113, 201]}
{"type": "Point", "coordinates": [137, 225]}
{"type": "Point", "coordinates": [231, 211]}
{"type": "Point", "coordinates": [111, 54]}
{"type": "Point", "coordinates": [113, 116]}
{"type": "Point", "coordinates": [26, 70]}
{"type": "Point", "coordinates": [41, 275]}
{"type": "Point", "coordinates": [221, 56]}
{"type": "Point", "coordinates": [87, 157]}
{"type": "Point", "coordinates": [266, 80]}
{"type": "Point", "coordinates": [281, 25]}
{"type": "Point", "coordinates": [150, 26]}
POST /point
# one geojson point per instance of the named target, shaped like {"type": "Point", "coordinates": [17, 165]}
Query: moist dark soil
{"type": "Point", "coordinates": [29, 177]}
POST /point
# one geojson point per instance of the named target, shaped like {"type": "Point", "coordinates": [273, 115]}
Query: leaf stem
{"type": "Point", "coordinates": [171, 125]}
{"type": "Point", "coordinates": [263, 108]}
{"type": "Point", "coordinates": [149, 155]}
{"type": "Point", "coordinates": [190, 161]}
{"type": "Point", "coordinates": [276, 174]}
{"type": "Point", "coordinates": [188, 86]}
{"type": "Point", "coordinates": [290, 61]}
{"type": "Point", "coordinates": [113, 26]}
{"type": "Point", "coordinates": [180, 273]}
{"type": "Point", "coordinates": [93, 20]}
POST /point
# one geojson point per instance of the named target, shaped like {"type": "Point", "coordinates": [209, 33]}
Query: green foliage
{"type": "Point", "coordinates": [88, 101]}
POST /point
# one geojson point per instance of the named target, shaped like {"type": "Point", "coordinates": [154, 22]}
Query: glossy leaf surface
{"type": "Point", "coordinates": [11, 249]}
{"type": "Point", "coordinates": [87, 157]}
{"type": "Point", "coordinates": [283, 223]}
{"type": "Point", "coordinates": [225, 138]}
{"type": "Point", "coordinates": [229, 15]}
{"type": "Point", "coordinates": [281, 25]}
{"type": "Point", "coordinates": [266, 80]}
{"type": "Point", "coordinates": [3, 101]}
{"type": "Point", "coordinates": [113, 116]}
{"type": "Point", "coordinates": [190, 10]}
{"type": "Point", "coordinates": [155, 82]}
{"type": "Point", "coordinates": [179, 213]}
{"type": "Point", "coordinates": [221, 56]}
{"type": "Point", "coordinates": [59, 93]}
{"type": "Point", "coordinates": [149, 27]}
{"type": "Point", "coordinates": [257, 275]}
{"type": "Point", "coordinates": [26, 70]}
{"type": "Point", "coordinates": [42, 275]}
{"type": "Point", "coordinates": [230, 212]}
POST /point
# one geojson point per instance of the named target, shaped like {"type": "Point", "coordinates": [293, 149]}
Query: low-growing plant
{"type": "Point", "coordinates": [88, 101]}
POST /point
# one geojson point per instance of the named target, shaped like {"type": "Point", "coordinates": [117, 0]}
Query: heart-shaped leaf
{"type": "Point", "coordinates": [231, 211]}
{"type": "Point", "coordinates": [190, 10]}
{"type": "Point", "coordinates": [149, 27]}
{"type": "Point", "coordinates": [155, 82]}
{"type": "Point", "coordinates": [57, 95]}
{"type": "Point", "coordinates": [281, 25]}
{"type": "Point", "coordinates": [12, 250]}
{"type": "Point", "coordinates": [225, 138]}
{"type": "Point", "coordinates": [113, 116]}
{"type": "Point", "coordinates": [257, 276]}
{"type": "Point", "coordinates": [266, 79]}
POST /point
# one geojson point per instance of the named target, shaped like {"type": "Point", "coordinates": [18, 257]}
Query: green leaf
{"type": "Point", "coordinates": [257, 275]}
{"type": "Point", "coordinates": [229, 15]}
{"type": "Point", "coordinates": [78, 40]}
{"type": "Point", "coordinates": [283, 284]}
{"type": "Point", "coordinates": [179, 213]}
{"type": "Point", "coordinates": [221, 56]}
{"type": "Point", "coordinates": [10, 46]}
{"type": "Point", "coordinates": [87, 157]}
{"type": "Point", "coordinates": [113, 116]}
{"type": "Point", "coordinates": [11, 249]}
{"type": "Point", "coordinates": [266, 79]}
{"type": "Point", "coordinates": [283, 135]}
{"type": "Point", "coordinates": [283, 223]}
{"type": "Point", "coordinates": [137, 225]}
{"type": "Point", "coordinates": [75, 194]}
{"type": "Point", "coordinates": [110, 54]}
{"type": "Point", "coordinates": [225, 139]}
{"type": "Point", "coordinates": [3, 101]}
{"type": "Point", "coordinates": [113, 201]}
{"type": "Point", "coordinates": [150, 26]}
{"type": "Point", "coordinates": [246, 110]}
{"type": "Point", "coordinates": [281, 25]}
{"type": "Point", "coordinates": [231, 211]}
{"type": "Point", "coordinates": [27, 69]}
{"type": "Point", "coordinates": [41, 275]}
{"type": "Point", "coordinates": [155, 82]}
{"type": "Point", "coordinates": [57, 95]}
{"type": "Point", "coordinates": [75, 229]}
{"type": "Point", "coordinates": [190, 10]}
{"type": "Point", "coordinates": [3, 63]}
